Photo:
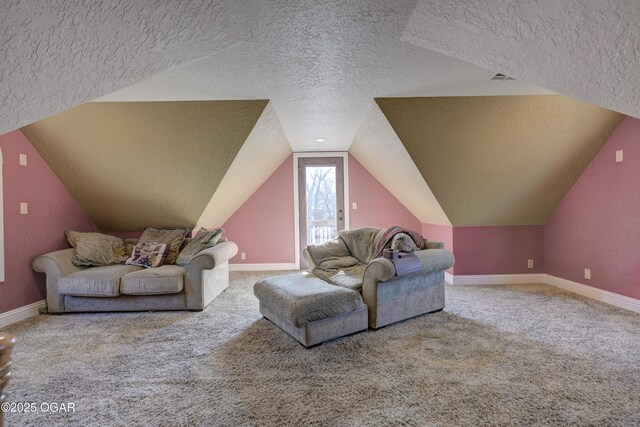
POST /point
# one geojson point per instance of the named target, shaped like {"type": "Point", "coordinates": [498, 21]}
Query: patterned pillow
{"type": "Point", "coordinates": [96, 249]}
{"type": "Point", "coordinates": [403, 243]}
{"type": "Point", "coordinates": [150, 254]}
{"type": "Point", "coordinates": [172, 237]}
{"type": "Point", "coordinates": [203, 240]}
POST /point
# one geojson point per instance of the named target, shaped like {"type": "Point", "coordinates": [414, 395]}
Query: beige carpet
{"type": "Point", "coordinates": [497, 355]}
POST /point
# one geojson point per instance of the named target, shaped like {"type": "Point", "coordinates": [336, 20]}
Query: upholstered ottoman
{"type": "Point", "coordinates": [310, 309]}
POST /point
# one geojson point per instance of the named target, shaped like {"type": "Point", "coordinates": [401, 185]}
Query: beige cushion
{"type": "Point", "coordinates": [203, 240]}
{"type": "Point", "coordinates": [172, 237]}
{"type": "Point", "coordinates": [96, 281]}
{"type": "Point", "coordinates": [96, 249]}
{"type": "Point", "coordinates": [167, 279]}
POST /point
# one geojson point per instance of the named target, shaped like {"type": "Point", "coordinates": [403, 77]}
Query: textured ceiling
{"type": "Point", "coordinates": [499, 160]}
{"type": "Point", "coordinates": [321, 64]}
{"type": "Point", "coordinates": [378, 148]}
{"type": "Point", "coordinates": [57, 54]}
{"type": "Point", "coordinates": [132, 165]}
{"type": "Point", "coordinates": [589, 50]}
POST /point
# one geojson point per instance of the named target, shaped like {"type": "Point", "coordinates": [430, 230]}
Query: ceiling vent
{"type": "Point", "coordinates": [501, 77]}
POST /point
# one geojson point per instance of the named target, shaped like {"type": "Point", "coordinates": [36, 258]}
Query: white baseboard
{"type": "Point", "coordinates": [618, 300]}
{"type": "Point", "coordinates": [263, 267]}
{"type": "Point", "coordinates": [495, 279]}
{"type": "Point", "coordinates": [20, 313]}
{"type": "Point", "coordinates": [594, 293]}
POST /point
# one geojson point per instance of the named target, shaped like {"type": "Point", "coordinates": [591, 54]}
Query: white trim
{"type": "Point", "coordinates": [448, 278]}
{"type": "Point", "coordinates": [496, 279]}
{"type": "Point", "coordinates": [296, 202]}
{"type": "Point", "coordinates": [21, 313]}
{"type": "Point", "coordinates": [607, 297]}
{"type": "Point", "coordinates": [263, 267]}
{"type": "Point", "coordinates": [601, 295]}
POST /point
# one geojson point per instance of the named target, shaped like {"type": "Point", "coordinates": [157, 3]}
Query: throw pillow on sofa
{"type": "Point", "coordinates": [173, 237]}
{"type": "Point", "coordinates": [204, 239]}
{"type": "Point", "coordinates": [150, 254]}
{"type": "Point", "coordinates": [96, 249]}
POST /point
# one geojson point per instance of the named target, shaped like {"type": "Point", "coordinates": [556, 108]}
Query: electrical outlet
{"type": "Point", "coordinates": [530, 263]}
{"type": "Point", "coordinates": [24, 208]}
{"type": "Point", "coordinates": [243, 255]}
{"type": "Point", "coordinates": [587, 273]}
{"type": "Point", "coordinates": [23, 160]}
{"type": "Point", "coordinates": [619, 156]}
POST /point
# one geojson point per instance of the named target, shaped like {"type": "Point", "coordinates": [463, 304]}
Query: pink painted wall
{"type": "Point", "coordinates": [263, 227]}
{"type": "Point", "coordinates": [51, 211]}
{"type": "Point", "coordinates": [498, 250]}
{"type": "Point", "coordinates": [597, 224]}
{"type": "Point", "coordinates": [377, 207]}
{"type": "Point", "coordinates": [439, 233]}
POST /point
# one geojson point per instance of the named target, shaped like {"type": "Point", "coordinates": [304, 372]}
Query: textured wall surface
{"type": "Point", "coordinates": [263, 227]}
{"type": "Point", "coordinates": [504, 160]}
{"type": "Point", "coordinates": [597, 224]}
{"type": "Point", "coordinates": [585, 49]}
{"type": "Point", "coordinates": [261, 154]}
{"type": "Point", "coordinates": [378, 148]}
{"type": "Point", "coordinates": [132, 165]}
{"type": "Point", "coordinates": [58, 54]}
{"type": "Point", "coordinates": [376, 206]}
{"type": "Point", "coordinates": [51, 210]}
{"type": "Point", "coordinates": [498, 250]}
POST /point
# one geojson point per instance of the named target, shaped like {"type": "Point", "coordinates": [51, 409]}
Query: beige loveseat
{"type": "Point", "coordinates": [131, 288]}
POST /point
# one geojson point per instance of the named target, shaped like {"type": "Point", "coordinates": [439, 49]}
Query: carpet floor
{"type": "Point", "coordinates": [497, 355]}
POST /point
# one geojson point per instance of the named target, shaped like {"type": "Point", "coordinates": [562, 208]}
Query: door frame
{"type": "Point", "coordinates": [296, 201]}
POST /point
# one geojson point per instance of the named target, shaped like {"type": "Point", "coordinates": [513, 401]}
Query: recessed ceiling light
{"type": "Point", "coordinates": [320, 139]}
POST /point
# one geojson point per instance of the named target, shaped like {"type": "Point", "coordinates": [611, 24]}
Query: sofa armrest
{"type": "Point", "coordinates": [55, 265]}
{"type": "Point", "coordinates": [210, 257]}
{"type": "Point", "coordinates": [207, 259]}
{"type": "Point", "coordinates": [435, 259]}
{"type": "Point", "coordinates": [430, 244]}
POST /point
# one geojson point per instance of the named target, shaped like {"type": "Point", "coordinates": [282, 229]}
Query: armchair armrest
{"type": "Point", "coordinates": [431, 244]}
{"type": "Point", "coordinates": [55, 265]}
{"type": "Point", "coordinates": [208, 259]}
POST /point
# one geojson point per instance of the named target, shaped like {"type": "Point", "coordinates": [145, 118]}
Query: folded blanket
{"type": "Point", "coordinates": [387, 236]}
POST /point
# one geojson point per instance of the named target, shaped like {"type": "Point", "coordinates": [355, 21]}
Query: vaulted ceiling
{"type": "Point", "coordinates": [321, 65]}
{"type": "Point", "coordinates": [499, 160]}
{"type": "Point", "coordinates": [132, 165]}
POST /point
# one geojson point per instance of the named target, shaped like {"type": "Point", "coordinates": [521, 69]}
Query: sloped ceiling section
{"type": "Point", "coordinates": [499, 160]}
{"type": "Point", "coordinates": [138, 164]}
{"type": "Point", "coordinates": [58, 54]}
{"type": "Point", "coordinates": [378, 148]}
{"type": "Point", "coordinates": [586, 49]}
{"type": "Point", "coordinates": [263, 152]}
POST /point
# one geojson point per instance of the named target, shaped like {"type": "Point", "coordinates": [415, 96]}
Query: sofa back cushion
{"type": "Point", "coordinates": [96, 249]}
{"type": "Point", "coordinates": [203, 239]}
{"type": "Point", "coordinates": [172, 237]}
{"type": "Point", "coordinates": [327, 251]}
{"type": "Point", "coordinates": [361, 242]}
